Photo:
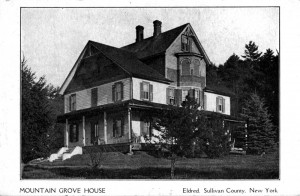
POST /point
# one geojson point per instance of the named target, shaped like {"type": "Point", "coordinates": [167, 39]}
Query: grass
{"type": "Point", "coordinates": [144, 166]}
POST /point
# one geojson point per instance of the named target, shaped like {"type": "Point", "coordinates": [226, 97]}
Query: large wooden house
{"type": "Point", "coordinates": [110, 90]}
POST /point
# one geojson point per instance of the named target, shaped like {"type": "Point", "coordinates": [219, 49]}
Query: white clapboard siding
{"type": "Point", "coordinates": [83, 97]}
{"type": "Point", "coordinates": [159, 90]}
{"type": "Point", "coordinates": [211, 102]}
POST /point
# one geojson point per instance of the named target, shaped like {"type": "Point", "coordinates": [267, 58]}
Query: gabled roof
{"type": "Point", "coordinates": [155, 45]}
{"type": "Point", "coordinates": [130, 63]}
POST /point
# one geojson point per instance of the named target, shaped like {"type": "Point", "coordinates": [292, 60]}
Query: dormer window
{"type": "Point", "coordinates": [185, 44]}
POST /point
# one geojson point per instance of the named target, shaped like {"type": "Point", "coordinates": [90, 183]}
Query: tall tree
{"type": "Point", "coordinates": [261, 135]}
{"type": "Point", "coordinates": [38, 115]}
{"type": "Point", "coordinates": [251, 52]}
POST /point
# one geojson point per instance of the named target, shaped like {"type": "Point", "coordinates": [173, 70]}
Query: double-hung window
{"type": "Point", "coordinates": [73, 133]}
{"type": "Point", "coordinates": [197, 96]}
{"type": "Point", "coordinates": [118, 127]}
{"type": "Point", "coordinates": [146, 91]}
{"type": "Point", "coordinates": [72, 102]}
{"type": "Point", "coordinates": [171, 96]}
{"type": "Point", "coordinates": [185, 93]}
{"type": "Point", "coordinates": [220, 103]}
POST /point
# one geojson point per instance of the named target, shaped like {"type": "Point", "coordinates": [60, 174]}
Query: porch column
{"type": "Point", "coordinates": [67, 134]}
{"type": "Point", "coordinates": [129, 129]}
{"type": "Point", "coordinates": [129, 124]}
{"type": "Point", "coordinates": [105, 127]}
{"type": "Point", "coordinates": [83, 130]}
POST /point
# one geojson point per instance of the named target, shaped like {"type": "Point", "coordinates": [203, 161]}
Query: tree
{"type": "Point", "coordinates": [251, 52]}
{"type": "Point", "coordinates": [38, 115]}
{"type": "Point", "coordinates": [261, 134]}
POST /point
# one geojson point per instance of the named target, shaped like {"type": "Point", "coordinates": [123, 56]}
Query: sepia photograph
{"type": "Point", "coordinates": [164, 93]}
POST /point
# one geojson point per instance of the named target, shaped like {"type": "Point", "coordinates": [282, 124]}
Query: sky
{"type": "Point", "coordinates": [53, 38]}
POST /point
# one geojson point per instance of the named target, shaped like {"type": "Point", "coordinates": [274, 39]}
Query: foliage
{"type": "Point", "coordinates": [256, 72]}
{"type": "Point", "coordinates": [261, 134]}
{"type": "Point", "coordinates": [183, 129]}
{"type": "Point", "coordinates": [40, 104]}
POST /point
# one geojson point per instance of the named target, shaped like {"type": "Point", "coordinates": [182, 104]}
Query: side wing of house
{"type": "Point", "coordinates": [217, 103]}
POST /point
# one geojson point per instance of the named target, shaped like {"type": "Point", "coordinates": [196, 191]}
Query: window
{"type": "Point", "coordinates": [94, 97]}
{"type": "Point", "coordinates": [146, 91]}
{"type": "Point", "coordinates": [94, 132]}
{"type": "Point", "coordinates": [117, 93]}
{"type": "Point", "coordinates": [197, 67]}
{"type": "Point", "coordinates": [184, 94]}
{"type": "Point", "coordinates": [197, 96]}
{"type": "Point", "coordinates": [220, 102]}
{"type": "Point", "coordinates": [202, 68]}
{"type": "Point", "coordinates": [73, 133]}
{"type": "Point", "coordinates": [118, 128]}
{"type": "Point", "coordinates": [171, 96]}
{"type": "Point", "coordinates": [72, 102]}
{"type": "Point", "coordinates": [145, 128]}
{"type": "Point", "coordinates": [185, 67]}
{"type": "Point", "coordinates": [185, 43]}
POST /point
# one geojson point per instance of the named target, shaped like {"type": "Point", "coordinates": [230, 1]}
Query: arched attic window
{"type": "Point", "coordinates": [185, 67]}
{"type": "Point", "coordinates": [196, 63]}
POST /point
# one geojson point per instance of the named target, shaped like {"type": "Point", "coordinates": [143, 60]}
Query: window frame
{"type": "Point", "coordinates": [118, 133]}
{"type": "Point", "coordinates": [220, 104]}
{"type": "Point", "coordinates": [170, 98]}
{"type": "Point", "coordinates": [185, 46]}
{"type": "Point", "coordinates": [117, 96]}
{"type": "Point", "coordinates": [189, 67]}
{"type": "Point", "coordinates": [73, 134]}
{"type": "Point", "coordinates": [143, 92]}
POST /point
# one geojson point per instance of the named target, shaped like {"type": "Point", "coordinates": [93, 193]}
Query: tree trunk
{"type": "Point", "coordinates": [173, 159]}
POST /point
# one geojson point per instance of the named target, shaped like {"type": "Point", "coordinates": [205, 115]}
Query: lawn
{"type": "Point", "coordinates": [143, 166]}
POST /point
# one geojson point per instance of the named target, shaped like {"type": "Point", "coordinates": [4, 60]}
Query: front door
{"type": "Point", "coordinates": [94, 133]}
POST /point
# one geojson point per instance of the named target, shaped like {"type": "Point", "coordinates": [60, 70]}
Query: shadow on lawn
{"type": "Point", "coordinates": [150, 173]}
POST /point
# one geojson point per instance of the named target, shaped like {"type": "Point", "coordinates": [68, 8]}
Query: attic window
{"type": "Point", "coordinates": [185, 44]}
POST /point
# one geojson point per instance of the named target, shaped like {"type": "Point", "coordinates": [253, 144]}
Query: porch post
{"type": "Point", "coordinates": [83, 130]}
{"type": "Point", "coordinates": [67, 134]}
{"type": "Point", "coordinates": [129, 129]}
{"type": "Point", "coordinates": [105, 127]}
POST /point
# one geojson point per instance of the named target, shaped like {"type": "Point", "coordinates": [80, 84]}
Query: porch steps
{"type": "Point", "coordinates": [59, 158]}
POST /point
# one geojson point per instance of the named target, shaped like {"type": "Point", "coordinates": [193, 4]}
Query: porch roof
{"type": "Point", "coordinates": [135, 104]}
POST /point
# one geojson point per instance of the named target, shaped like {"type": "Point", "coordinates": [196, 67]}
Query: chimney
{"type": "Point", "coordinates": [139, 33]}
{"type": "Point", "coordinates": [157, 28]}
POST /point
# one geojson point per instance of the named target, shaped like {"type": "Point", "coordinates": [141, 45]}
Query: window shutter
{"type": "Point", "coordinates": [71, 133]}
{"type": "Point", "coordinates": [217, 101]}
{"type": "Point", "coordinates": [93, 133]}
{"type": "Point", "coordinates": [142, 127]}
{"type": "Point", "coordinates": [223, 105]}
{"type": "Point", "coordinates": [113, 92]}
{"type": "Point", "coordinates": [122, 127]}
{"type": "Point", "coordinates": [122, 89]}
{"type": "Point", "coordinates": [190, 42]}
{"type": "Point", "coordinates": [70, 103]}
{"type": "Point", "coordinates": [167, 96]}
{"type": "Point", "coordinates": [178, 97]}
{"type": "Point", "coordinates": [205, 102]}
{"type": "Point", "coordinates": [191, 93]}
{"type": "Point", "coordinates": [151, 92]}
{"type": "Point", "coordinates": [141, 91]}
{"type": "Point", "coordinates": [114, 128]}
{"type": "Point", "coordinates": [77, 133]}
